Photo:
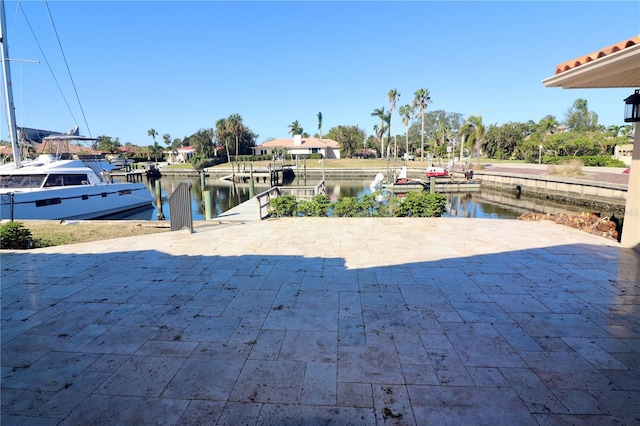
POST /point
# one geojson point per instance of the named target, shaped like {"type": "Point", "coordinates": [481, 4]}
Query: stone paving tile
{"type": "Point", "coordinates": [350, 321]}
{"type": "Point", "coordinates": [454, 405]}
{"type": "Point", "coordinates": [309, 346]}
{"type": "Point", "coordinates": [277, 382]}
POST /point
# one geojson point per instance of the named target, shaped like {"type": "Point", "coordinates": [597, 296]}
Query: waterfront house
{"type": "Point", "coordinates": [299, 146]}
{"type": "Point", "coordinates": [182, 154]}
{"type": "Point", "coordinates": [615, 66]}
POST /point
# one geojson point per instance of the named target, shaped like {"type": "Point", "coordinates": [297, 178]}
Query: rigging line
{"type": "Point", "coordinates": [68, 70]}
{"type": "Point", "coordinates": [46, 61]}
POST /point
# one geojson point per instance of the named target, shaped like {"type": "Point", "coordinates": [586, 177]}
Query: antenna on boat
{"type": "Point", "coordinates": [6, 70]}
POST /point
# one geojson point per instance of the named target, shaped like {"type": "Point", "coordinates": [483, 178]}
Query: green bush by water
{"type": "Point", "coordinates": [378, 204]}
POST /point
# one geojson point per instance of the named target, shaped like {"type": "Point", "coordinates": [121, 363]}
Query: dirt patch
{"type": "Point", "coordinates": [587, 222]}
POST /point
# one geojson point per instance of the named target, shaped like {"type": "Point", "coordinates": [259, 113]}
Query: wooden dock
{"type": "Point", "coordinates": [458, 186]}
{"type": "Point", "coordinates": [274, 176]}
{"type": "Point", "coordinates": [441, 185]}
{"type": "Point", "coordinates": [247, 211]}
{"type": "Point", "coordinates": [128, 176]}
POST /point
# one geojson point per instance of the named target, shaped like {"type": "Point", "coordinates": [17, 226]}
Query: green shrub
{"type": "Point", "coordinates": [13, 235]}
{"type": "Point", "coordinates": [318, 206]}
{"type": "Point", "coordinates": [421, 204]}
{"type": "Point", "coordinates": [345, 207]}
{"type": "Point", "coordinates": [378, 204]}
{"type": "Point", "coordinates": [199, 162]}
{"type": "Point", "coordinates": [284, 205]}
{"type": "Point", "coordinates": [588, 160]}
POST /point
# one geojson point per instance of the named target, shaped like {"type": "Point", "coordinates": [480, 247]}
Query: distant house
{"type": "Point", "coordinates": [300, 146]}
{"type": "Point", "coordinates": [183, 155]}
{"type": "Point", "coordinates": [624, 153]}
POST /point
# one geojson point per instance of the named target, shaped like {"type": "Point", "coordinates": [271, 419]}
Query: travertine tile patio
{"type": "Point", "coordinates": [325, 321]}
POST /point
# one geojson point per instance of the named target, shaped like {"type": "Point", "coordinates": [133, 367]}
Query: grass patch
{"type": "Point", "coordinates": [53, 233]}
{"type": "Point", "coordinates": [179, 166]}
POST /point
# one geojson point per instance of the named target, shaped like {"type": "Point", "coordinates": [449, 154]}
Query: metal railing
{"type": "Point", "coordinates": [264, 201]}
{"type": "Point", "coordinates": [307, 192]}
{"type": "Point", "coordinates": [180, 213]}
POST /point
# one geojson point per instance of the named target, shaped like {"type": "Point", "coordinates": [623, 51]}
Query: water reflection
{"type": "Point", "coordinates": [225, 195]}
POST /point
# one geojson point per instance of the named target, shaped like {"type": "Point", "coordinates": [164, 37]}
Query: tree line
{"type": "Point", "coordinates": [436, 133]}
{"type": "Point", "coordinates": [443, 134]}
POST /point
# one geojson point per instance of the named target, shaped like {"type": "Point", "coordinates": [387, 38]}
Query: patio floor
{"type": "Point", "coordinates": [325, 321]}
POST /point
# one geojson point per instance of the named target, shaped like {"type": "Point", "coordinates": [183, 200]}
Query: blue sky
{"type": "Point", "coordinates": [178, 67]}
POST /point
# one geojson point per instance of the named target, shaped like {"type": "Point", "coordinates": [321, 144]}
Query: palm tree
{"type": "Point", "coordinates": [393, 97]}
{"type": "Point", "coordinates": [548, 124]}
{"type": "Point", "coordinates": [475, 130]}
{"type": "Point", "coordinates": [295, 128]}
{"type": "Point", "coordinates": [381, 115]}
{"type": "Point", "coordinates": [167, 140]}
{"type": "Point", "coordinates": [627, 130]}
{"type": "Point", "coordinates": [420, 101]}
{"type": "Point", "coordinates": [580, 118]}
{"type": "Point", "coordinates": [406, 111]}
{"type": "Point", "coordinates": [613, 130]}
{"type": "Point", "coordinates": [387, 122]}
{"type": "Point", "coordinates": [235, 128]}
{"type": "Point", "coordinates": [153, 134]}
{"type": "Point", "coordinates": [379, 132]}
{"type": "Point", "coordinates": [320, 124]}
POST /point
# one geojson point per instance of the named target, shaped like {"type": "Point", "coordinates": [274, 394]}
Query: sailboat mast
{"type": "Point", "coordinates": [6, 70]}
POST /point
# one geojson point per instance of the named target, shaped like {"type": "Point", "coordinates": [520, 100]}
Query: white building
{"type": "Point", "coordinates": [300, 146]}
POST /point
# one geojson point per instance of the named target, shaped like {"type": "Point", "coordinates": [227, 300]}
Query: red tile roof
{"type": "Point", "coordinates": [573, 63]}
{"type": "Point", "coordinates": [306, 143]}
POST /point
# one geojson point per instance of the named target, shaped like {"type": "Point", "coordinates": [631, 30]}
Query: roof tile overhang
{"type": "Point", "coordinates": [617, 65]}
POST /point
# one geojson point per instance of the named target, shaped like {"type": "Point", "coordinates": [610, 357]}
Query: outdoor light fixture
{"type": "Point", "coordinates": [632, 108]}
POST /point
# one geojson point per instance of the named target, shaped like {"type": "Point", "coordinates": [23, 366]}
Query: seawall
{"type": "Point", "coordinates": [587, 193]}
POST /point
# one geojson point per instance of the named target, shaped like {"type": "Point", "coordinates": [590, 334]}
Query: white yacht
{"type": "Point", "coordinates": [54, 188]}
{"type": "Point", "coordinates": [50, 188]}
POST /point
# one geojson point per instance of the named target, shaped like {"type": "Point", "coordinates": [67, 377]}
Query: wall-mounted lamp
{"type": "Point", "coordinates": [632, 108]}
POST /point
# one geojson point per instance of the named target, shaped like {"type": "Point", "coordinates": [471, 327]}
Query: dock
{"type": "Point", "coordinates": [128, 176]}
{"type": "Point", "coordinates": [247, 211]}
{"type": "Point", "coordinates": [274, 176]}
{"type": "Point", "coordinates": [441, 185]}
{"type": "Point", "coordinates": [445, 186]}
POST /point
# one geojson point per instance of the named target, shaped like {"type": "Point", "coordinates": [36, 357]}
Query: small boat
{"type": "Point", "coordinates": [53, 187]}
{"type": "Point", "coordinates": [118, 162]}
{"type": "Point", "coordinates": [402, 183]}
{"type": "Point", "coordinates": [377, 182]}
{"type": "Point", "coordinates": [437, 171]}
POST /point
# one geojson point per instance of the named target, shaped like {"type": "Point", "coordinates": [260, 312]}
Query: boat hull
{"type": "Point", "coordinates": [405, 187]}
{"type": "Point", "coordinates": [74, 202]}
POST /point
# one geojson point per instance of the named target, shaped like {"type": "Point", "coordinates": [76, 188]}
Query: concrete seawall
{"type": "Point", "coordinates": [558, 188]}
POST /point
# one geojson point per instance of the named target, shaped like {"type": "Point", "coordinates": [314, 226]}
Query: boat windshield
{"type": "Point", "coordinates": [66, 180]}
{"type": "Point", "coordinates": [21, 181]}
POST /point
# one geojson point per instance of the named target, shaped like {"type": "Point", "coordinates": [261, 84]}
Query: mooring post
{"type": "Point", "coordinates": [251, 187]}
{"type": "Point", "coordinates": [432, 184]}
{"type": "Point", "coordinates": [159, 199]}
{"type": "Point", "coordinates": [202, 179]}
{"type": "Point", "coordinates": [208, 204]}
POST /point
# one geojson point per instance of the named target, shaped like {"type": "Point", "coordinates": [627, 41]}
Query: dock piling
{"type": "Point", "coordinates": [159, 199]}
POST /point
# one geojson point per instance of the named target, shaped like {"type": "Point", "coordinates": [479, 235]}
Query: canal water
{"type": "Point", "coordinates": [484, 204]}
